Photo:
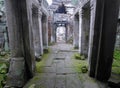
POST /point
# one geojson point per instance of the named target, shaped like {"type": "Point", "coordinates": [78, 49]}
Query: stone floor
{"type": "Point", "coordinates": [60, 73]}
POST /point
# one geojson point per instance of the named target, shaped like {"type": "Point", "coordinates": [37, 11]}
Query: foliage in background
{"type": "Point", "coordinates": [4, 65]}
{"type": "Point", "coordinates": [116, 62]}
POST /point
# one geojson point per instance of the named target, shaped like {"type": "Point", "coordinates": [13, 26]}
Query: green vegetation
{"type": "Point", "coordinates": [79, 57]}
{"type": "Point", "coordinates": [80, 64]}
{"type": "Point", "coordinates": [116, 62]}
{"type": "Point", "coordinates": [4, 65]}
{"type": "Point", "coordinates": [51, 44]}
{"type": "Point", "coordinates": [39, 65]}
{"type": "Point", "coordinates": [117, 55]}
{"type": "Point", "coordinates": [76, 47]}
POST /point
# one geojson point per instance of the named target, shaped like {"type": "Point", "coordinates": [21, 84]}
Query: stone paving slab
{"type": "Point", "coordinates": [49, 70]}
{"type": "Point", "coordinates": [60, 81]}
{"type": "Point", "coordinates": [73, 81]}
{"type": "Point", "coordinates": [49, 61]}
{"type": "Point", "coordinates": [59, 71]}
{"type": "Point", "coordinates": [65, 71]}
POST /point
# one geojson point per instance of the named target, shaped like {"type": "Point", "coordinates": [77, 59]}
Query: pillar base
{"type": "Point", "coordinates": [16, 74]}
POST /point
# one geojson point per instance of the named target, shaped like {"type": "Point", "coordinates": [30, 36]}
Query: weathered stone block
{"type": "Point", "coordinates": [16, 74]}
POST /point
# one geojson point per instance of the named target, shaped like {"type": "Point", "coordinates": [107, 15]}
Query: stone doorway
{"type": "Point", "coordinates": [60, 34]}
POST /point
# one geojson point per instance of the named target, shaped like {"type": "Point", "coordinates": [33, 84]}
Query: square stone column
{"type": "Point", "coordinates": [84, 29]}
{"type": "Point", "coordinates": [105, 27]}
{"type": "Point", "coordinates": [22, 63]}
{"type": "Point", "coordinates": [40, 29]}
{"type": "Point", "coordinates": [92, 55]}
{"type": "Point", "coordinates": [76, 32]}
{"type": "Point", "coordinates": [37, 33]}
{"type": "Point", "coordinates": [45, 30]}
{"type": "Point", "coordinates": [53, 33]}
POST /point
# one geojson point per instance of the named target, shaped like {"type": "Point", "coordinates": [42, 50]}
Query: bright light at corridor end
{"type": "Point", "coordinates": [49, 2]}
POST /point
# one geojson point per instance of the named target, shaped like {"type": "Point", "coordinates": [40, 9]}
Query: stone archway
{"type": "Point", "coordinates": [54, 30]}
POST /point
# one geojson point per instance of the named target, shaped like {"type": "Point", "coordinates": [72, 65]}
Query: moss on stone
{"type": "Point", "coordinates": [79, 57]}
{"type": "Point", "coordinates": [81, 66]}
{"type": "Point", "coordinates": [39, 65]}
{"type": "Point", "coordinates": [76, 47]}
{"type": "Point", "coordinates": [51, 44]}
{"type": "Point", "coordinates": [84, 69]}
{"type": "Point", "coordinates": [116, 70]}
{"type": "Point", "coordinates": [32, 86]}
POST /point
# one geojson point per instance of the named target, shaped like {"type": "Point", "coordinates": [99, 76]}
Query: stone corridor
{"type": "Point", "coordinates": [59, 71]}
{"type": "Point", "coordinates": [28, 27]}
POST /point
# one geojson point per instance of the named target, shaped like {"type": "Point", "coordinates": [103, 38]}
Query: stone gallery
{"type": "Point", "coordinates": [62, 44]}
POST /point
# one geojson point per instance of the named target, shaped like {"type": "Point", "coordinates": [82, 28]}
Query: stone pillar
{"type": "Point", "coordinates": [80, 30]}
{"type": "Point", "coordinates": [35, 30]}
{"type": "Point", "coordinates": [66, 32]}
{"type": "Point", "coordinates": [45, 30]}
{"type": "Point", "coordinates": [76, 32]}
{"type": "Point", "coordinates": [36, 18]}
{"type": "Point", "coordinates": [84, 30]}
{"type": "Point", "coordinates": [22, 58]}
{"type": "Point", "coordinates": [53, 33]}
{"type": "Point", "coordinates": [108, 34]}
{"type": "Point", "coordinates": [103, 46]}
{"type": "Point", "coordinates": [92, 54]}
{"type": "Point", "coordinates": [16, 71]}
{"type": "Point", "coordinates": [40, 30]}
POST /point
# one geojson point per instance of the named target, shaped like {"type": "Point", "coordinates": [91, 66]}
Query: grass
{"type": "Point", "coordinates": [116, 62]}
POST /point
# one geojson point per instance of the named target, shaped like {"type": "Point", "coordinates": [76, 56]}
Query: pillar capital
{"type": "Point", "coordinates": [40, 12]}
